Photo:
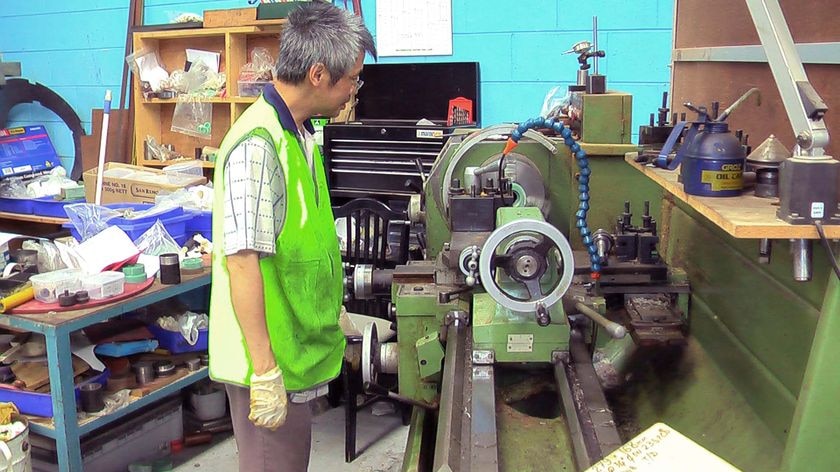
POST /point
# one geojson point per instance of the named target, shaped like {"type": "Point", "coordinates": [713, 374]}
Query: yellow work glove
{"type": "Point", "coordinates": [268, 399]}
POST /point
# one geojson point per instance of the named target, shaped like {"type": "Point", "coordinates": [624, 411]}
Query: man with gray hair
{"type": "Point", "coordinates": [277, 289]}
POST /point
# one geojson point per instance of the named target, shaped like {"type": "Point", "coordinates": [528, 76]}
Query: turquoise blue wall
{"type": "Point", "coordinates": [76, 48]}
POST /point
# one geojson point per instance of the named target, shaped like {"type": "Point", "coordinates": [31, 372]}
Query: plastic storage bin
{"type": "Point", "coordinates": [49, 206]}
{"type": "Point", "coordinates": [248, 88]}
{"type": "Point", "coordinates": [174, 342]}
{"type": "Point", "coordinates": [201, 223]}
{"type": "Point", "coordinates": [40, 404]}
{"type": "Point", "coordinates": [22, 206]}
{"type": "Point", "coordinates": [143, 435]}
{"type": "Point", "coordinates": [48, 286]}
{"type": "Point", "coordinates": [173, 219]}
{"type": "Point", "coordinates": [104, 285]}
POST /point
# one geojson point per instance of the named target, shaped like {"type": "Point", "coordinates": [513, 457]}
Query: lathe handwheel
{"type": "Point", "coordinates": [370, 355]}
{"type": "Point", "coordinates": [553, 235]}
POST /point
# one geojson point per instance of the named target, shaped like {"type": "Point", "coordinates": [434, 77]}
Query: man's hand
{"type": "Point", "coordinates": [268, 399]}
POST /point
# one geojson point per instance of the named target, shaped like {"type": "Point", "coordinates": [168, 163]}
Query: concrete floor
{"type": "Point", "coordinates": [380, 441]}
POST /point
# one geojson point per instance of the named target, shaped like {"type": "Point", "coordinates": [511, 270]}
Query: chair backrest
{"type": "Point", "coordinates": [367, 226]}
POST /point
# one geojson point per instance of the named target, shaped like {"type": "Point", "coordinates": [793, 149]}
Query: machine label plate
{"type": "Point", "coordinates": [817, 210]}
{"type": "Point", "coordinates": [723, 180]}
{"type": "Point", "coordinates": [520, 343]}
{"type": "Point", "coordinates": [430, 133]}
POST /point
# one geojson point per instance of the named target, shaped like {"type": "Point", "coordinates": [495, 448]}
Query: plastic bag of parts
{"type": "Point", "coordinates": [49, 184]}
{"type": "Point", "coordinates": [556, 103]}
{"type": "Point", "coordinates": [13, 187]}
{"type": "Point", "coordinates": [159, 152]}
{"type": "Point", "coordinates": [199, 197]}
{"type": "Point", "coordinates": [261, 67]}
{"type": "Point", "coordinates": [188, 324]}
{"type": "Point", "coordinates": [89, 219]}
{"type": "Point", "coordinates": [202, 81]}
{"type": "Point", "coordinates": [156, 241]}
{"type": "Point", "coordinates": [145, 64]}
{"type": "Point", "coordinates": [49, 258]}
{"type": "Point", "coordinates": [193, 118]}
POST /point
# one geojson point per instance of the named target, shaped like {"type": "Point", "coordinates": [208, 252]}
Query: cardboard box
{"type": "Point", "coordinates": [126, 190]}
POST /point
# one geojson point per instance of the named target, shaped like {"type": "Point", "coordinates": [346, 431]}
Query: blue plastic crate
{"type": "Point", "coordinates": [174, 342]}
{"type": "Point", "coordinates": [21, 206]}
{"type": "Point", "coordinates": [174, 220]}
{"type": "Point", "coordinates": [49, 206]}
{"type": "Point", "coordinates": [40, 404]}
{"type": "Point", "coordinates": [201, 223]}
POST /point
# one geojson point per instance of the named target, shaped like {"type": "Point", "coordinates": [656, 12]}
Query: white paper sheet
{"type": "Point", "coordinates": [412, 28]}
{"type": "Point", "coordinates": [210, 59]}
{"type": "Point", "coordinates": [109, 247]}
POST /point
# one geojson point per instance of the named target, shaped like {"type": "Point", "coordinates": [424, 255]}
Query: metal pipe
{"type": "Point", "coordinates": [595, 44]}
{"type": "Point", "coordinates": [616, 330]}
{"type": "Point", "coordinates": [765, 246]}
{"type": "Point", "coordinates": [738, 102]}
{"type": "Point", "coordinates": [801, 250]}
{"type": "Point", "coordinates": [380, 390]}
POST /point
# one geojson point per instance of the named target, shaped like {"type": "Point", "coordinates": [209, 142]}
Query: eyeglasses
{"type": "Point", "coordinates": [359, 83]}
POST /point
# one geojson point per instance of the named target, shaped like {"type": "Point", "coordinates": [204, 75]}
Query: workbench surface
{"type": "Point", "coordinates": [744, 217]}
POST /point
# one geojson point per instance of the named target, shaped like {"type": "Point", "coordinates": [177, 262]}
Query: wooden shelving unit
{"type": "Point", "coordinates": [744, 217]}
{"type": "Point", "coordinates": [234, 44]}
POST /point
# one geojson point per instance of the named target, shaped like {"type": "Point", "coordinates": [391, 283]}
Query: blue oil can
{"type": "Point", "coordinates": [713, 163]}
{"type": "Point", "coordinates": [711, 158]}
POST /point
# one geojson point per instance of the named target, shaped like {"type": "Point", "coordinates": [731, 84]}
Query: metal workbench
{"type": "Point", "coordinates": [65, 428]}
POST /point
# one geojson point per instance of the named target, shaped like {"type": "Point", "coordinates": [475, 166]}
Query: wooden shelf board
{"type": "Point", "coordinates": [34, 218]}
{"type": "Point", "coordinates": [160, 101]}
{"type": "Point", "coordinates": [744, 217]}
{"type": "Point", "coordinates": [264, 27]}
{"type": "Point", "coordinates": [156, 163]}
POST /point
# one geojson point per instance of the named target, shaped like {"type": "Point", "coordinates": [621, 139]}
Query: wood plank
{"type": "Point", "coordinates": [702, 82]}
{"type": "Point", "coordinates": [744, 217]}
{"type": "Point", "coordinates": [114, 149]}
{"type": "Point", "coordinates": [33, 218]}
{"type": "Point", "coordinates": [153, 163]}
{"type": "Point", "coordinates": [726, 23]}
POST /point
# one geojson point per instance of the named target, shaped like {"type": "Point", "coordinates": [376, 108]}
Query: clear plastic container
{"type": "Point", "coordinates": [104, 285]}
{"type": "Point", "coordinates": [175, 173]}
{"type": "Point", "coordinates": [50, 285]}
{"type": "Point", "coordinates": [249, 88]}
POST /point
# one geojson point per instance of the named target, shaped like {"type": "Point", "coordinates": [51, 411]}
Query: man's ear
{"type": "Point", "coordinates": [318, 75]}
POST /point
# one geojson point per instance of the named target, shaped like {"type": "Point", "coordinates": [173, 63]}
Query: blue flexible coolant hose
{"type": "Point", "coordinates": [583, 179]}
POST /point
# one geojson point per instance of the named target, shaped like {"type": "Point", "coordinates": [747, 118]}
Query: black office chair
{"type": "Point", "coordinates": [368, 225]}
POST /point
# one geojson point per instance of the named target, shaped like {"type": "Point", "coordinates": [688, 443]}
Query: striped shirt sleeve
{"type": "Point", "coordinates": [254, 198]}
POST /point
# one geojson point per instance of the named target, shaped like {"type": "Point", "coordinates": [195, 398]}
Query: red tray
{"type": "Point", "coordinates": [35, 306]}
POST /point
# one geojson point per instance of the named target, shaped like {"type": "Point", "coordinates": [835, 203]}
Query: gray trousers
{"type": "Point", "coordinates": [262, 450]}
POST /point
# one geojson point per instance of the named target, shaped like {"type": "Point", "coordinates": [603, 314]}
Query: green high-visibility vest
{"type": "Point", "coordinates": [303, 280]}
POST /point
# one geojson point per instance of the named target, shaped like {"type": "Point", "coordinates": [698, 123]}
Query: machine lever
{"type": "Point", "coordinates": [380, 390]}
{"type": "Point", "coordinates": [616, 330]}
{"type": "Point", "coordinates": [543, 318]}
